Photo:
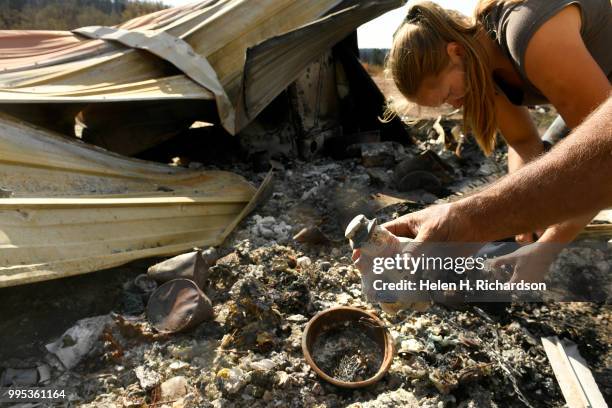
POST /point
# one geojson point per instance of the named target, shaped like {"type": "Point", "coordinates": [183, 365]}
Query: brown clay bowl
{"type": "Point", "coordinates": [375, 330]}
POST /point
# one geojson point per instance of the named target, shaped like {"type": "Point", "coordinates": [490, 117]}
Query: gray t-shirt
{"type": "Point", "coordinates": [513, 25]}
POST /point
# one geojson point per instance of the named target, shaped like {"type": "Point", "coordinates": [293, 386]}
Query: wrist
{"type": "Point", "coordinates": [560, 233]}
{"type": "Point", "coordinates": [462, 222]}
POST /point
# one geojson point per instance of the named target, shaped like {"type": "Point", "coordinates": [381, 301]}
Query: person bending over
{"type": "Point", "coordinates": [511, 54]}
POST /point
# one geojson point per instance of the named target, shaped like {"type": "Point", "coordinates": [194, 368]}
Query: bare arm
{"type": "Point", "coordinates": [571, 180]}
{"type": "Point", "coordinates": [519, 131]}
{"type": "Point", "coordinates": [559, 64]}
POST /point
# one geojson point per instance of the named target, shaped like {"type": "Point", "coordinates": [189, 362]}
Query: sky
{"type": "Point", "coordinates": [378, 33]}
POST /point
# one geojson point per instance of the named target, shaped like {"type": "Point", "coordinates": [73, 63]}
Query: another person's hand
{"type": "Point", "coordinates": [529, 238]}
{"type": "Point", "coordinates": [531, 263]}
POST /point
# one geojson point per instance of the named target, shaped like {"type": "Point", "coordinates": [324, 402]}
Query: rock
{"type": "Point", "coordinates": [296, 318]}
{"type": "Point", "coordinates": [267, 396]}
{"type": "Point", "coordinates": [231, 381]}
{"type": "Point", "coordinates": [324, 266]}
{"type": "Point", "coordinates": [263, 365]}
{"type": "Point", "coordinates": [147, 378]}
{"type": "Point", "coordinates": [78, 341]}
{"type": "Point", "coordinates": [343, 298]}
{"type": "Point", "coordinates": [410, 345]}
{"type": "Point", "coordinates": [303, 262]}
{"type": "Point", "coordinates": [174, 388]}
{"type": "Point", "coordinates": [178, 365]}
{"type": "Point", "coordinates": [269, 228]}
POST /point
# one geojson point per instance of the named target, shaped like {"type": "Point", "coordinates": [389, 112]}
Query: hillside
{"type": "Point", "coordinates": [70, 14]}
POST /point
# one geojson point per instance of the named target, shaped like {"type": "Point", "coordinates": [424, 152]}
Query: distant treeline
{"type": "Point", "coordinates": [70, 14]}
{"type": "Point", "coordinates": [373, 56]}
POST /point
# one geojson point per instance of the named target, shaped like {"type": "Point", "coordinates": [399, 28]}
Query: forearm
{"type": "Point", "coordinates": [522, 153]}
{"type": "Point", "coordinates": [566, 231]}
{"type": "Point", "coordinates": [573, 179]}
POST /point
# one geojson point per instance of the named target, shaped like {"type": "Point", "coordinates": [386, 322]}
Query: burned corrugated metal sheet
{"type": "Point", "coordinates": [113, 66]}
{"type": "Point", "coordinates": [274, 64]}
{"type": "Point", "coordinates": [75, 208]}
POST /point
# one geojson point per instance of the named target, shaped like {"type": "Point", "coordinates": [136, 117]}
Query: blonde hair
{"type": "Point", "coordinates": [419, 51]}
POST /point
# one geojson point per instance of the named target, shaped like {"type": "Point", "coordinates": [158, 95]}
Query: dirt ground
{"type": "Point", "coordinates": [266, 286]}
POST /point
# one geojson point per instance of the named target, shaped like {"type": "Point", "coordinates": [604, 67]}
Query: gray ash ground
{"type": "Point", "coordinates": [346, 353]}
{"type": "Point", "coordinates": [267, 286]}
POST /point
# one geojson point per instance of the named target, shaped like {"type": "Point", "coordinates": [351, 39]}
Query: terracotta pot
{"type": "Point", "coordinates": [374, 329]}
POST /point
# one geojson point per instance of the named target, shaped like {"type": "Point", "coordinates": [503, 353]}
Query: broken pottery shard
{"type": "Point", "coordinates": [192, 265]}
{"type": "Point", "coordinates": [178, 305]}
{"type": "Point", "coordinates": [78, 340]}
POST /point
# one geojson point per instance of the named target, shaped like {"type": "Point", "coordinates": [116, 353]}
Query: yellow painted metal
{"type": "Point", "coordinates": [76, 208]}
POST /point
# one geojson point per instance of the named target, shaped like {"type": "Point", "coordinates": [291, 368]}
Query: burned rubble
{"type": "Point", "coordinates": [149, 154]}
{"type": "Point", "coordinates": [286, 262]}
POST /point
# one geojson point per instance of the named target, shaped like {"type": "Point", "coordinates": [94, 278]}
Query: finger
{"type": "Point", "coordinates": [515, 277]}
{"type": "Point", "coordinates": [524, 238]}
{"type": "Point", "coordinates": [404, 226]}
{"type": "Point", "coordinates": [502, 260]}
{"type": "Point", "coordinates": [423, 235]}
